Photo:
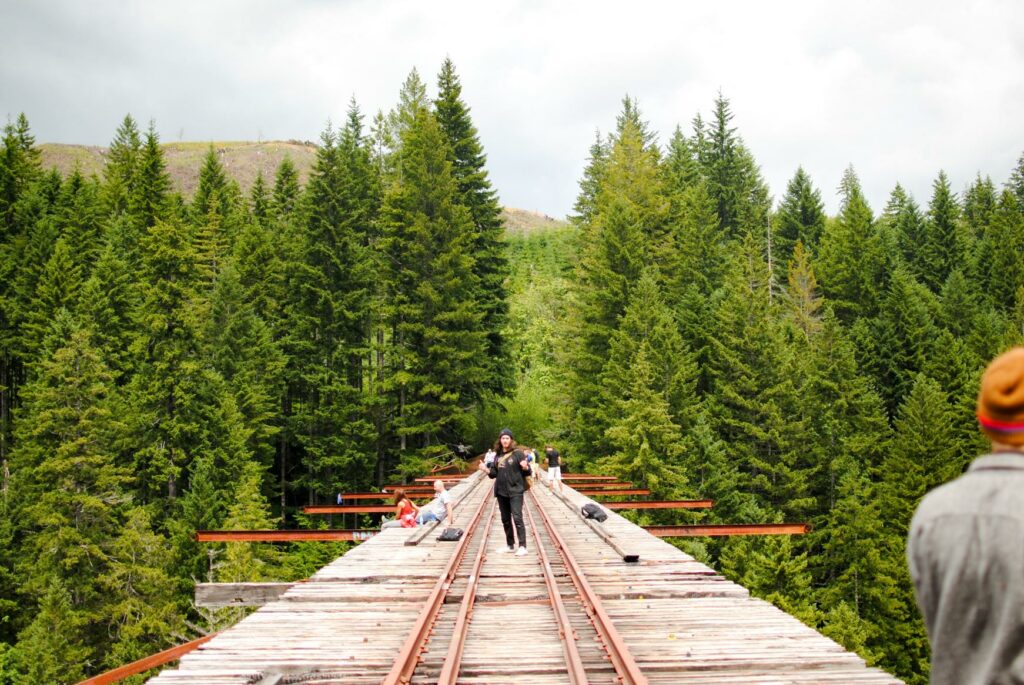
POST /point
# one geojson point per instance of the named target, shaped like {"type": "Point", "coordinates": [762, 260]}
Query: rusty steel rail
{"type": "Point", "coordinates": [566, 633]}
{"type": "Point", "coordinates": [710, 530]}
{"type": "Point", "coordinates": [284, 535]}
{"type": "Point", "coordinates": [150, 662]}
{"type": "Point", "coordinates": [622, 660]}
{"type": "Point", "coordinates": [661, 504]}
{"type": "Point", "coordinates": [453, 658]}
{"type": "Point", "coordinates": [405, 663]}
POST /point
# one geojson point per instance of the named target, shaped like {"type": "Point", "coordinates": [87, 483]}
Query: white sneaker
{"type": "Point", "coordinates": [505, 550]}
{"type": "Point", "coordinates": [521, 552]}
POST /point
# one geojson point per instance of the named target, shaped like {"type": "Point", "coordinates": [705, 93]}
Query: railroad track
{"type": "Point", "coordinates": [498, 618]}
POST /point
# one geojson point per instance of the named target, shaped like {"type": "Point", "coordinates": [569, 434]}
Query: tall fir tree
{"type": "Point", "coordinates": [850, 262]}
{"type": "Point", "coordinates": [437, 351]}
{"type": "Point", "coordinates": [800, 218]}
{"type": "Point", "coordinates": [477, 195]}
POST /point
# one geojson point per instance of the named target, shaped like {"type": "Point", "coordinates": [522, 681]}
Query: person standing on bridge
{"type": "Point", "coordinates": [554, 468]}
{"type": "Point", "coordinates": [509, 471]}
{"type": "Point", "coordinates": [966, 544]}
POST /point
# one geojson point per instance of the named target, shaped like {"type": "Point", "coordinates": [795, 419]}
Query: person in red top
{"type": "Point", "coordinates": [405, 512]}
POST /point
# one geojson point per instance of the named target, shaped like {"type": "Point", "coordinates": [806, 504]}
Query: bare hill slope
{"type": "Point", "coordinates": [242, 161]}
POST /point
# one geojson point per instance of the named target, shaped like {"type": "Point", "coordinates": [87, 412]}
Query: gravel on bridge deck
{"type": "Point", "coordinates": [682, 621]}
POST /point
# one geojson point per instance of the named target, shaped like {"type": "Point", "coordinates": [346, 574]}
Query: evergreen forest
{"type": "Point", "coordinates": [171, 364]}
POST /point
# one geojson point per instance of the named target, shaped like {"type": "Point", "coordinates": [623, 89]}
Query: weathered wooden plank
{"type": "Point", "coordinates": [215, 595]}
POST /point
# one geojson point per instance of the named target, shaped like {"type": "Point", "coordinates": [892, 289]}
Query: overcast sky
{"type": "Point", "coordinates": [897, 89]}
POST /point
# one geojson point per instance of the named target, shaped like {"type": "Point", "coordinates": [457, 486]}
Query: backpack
{"type": "Point", "coordinates": [450, 535]}
{"type": "Point", "coordinates": [592, 511]}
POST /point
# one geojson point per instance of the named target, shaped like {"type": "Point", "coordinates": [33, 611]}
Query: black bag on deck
{"type": "Point", "coordinates": [592, 511]}
{"type": "Point", "coordinates": [450, 535]}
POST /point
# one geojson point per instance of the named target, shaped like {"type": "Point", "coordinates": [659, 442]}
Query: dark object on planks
{"type": "Point", "coordinates": [450, 535]}
{"type": "Point", "coordinates": [592, 511]}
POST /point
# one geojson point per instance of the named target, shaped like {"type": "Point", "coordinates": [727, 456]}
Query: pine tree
{"type": "Point", "coordinates": [941, 249]}
{"type": "Point", "coordinates": [475, 193]}
{"type": "Point", "coordinates": [148, 202]}
{"type": "Point", "coordinates": [586, 202]}
{"type": "Point", "coordinates": [645, 442]}
{"type": "Point", "coordinates": [680, 166]}
{"type": "Point", "coordinates": [629, 231]}
{"type": "Point", "coordinates": [123, 157]}
{"type": "Point", "coordinates": [286, 189]}
{"type": "Point", "coordinates": [140, 613]}
{"type": "Point", "coordinates": [57, 289]}
{"type": "Point", "coordinates": [753, 396]}
{"type": "Point", "coordinates": [329, 319]}
{"type": "Point", "coordinates": [733, 178]}
{"type": "Point", "coordinates": [51, 649]}
{"type": "Point", "coordinates": [895, 345]}
{"type": "Point", "coordinates": [907, 228]}
{"type": "Point", "coordinates": [242, 350]}
{"type": "Point", "coordinates": [648, 325]}
{"type": "Point", "coordinates": [107, 308]}
{"type": "Point", "coordinates": [801, 218]}
{"type": "Point", "coordinates": [1000, 268]}
{"type": "Point", "coordinates": [850, 260]}
{"type": "Point", "coordinates": [437, 338]}
{"type": "Point", "coordinates": [259, 200]}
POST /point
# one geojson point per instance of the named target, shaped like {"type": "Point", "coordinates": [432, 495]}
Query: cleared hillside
{"type": "Point", "coordinates": [243, 161]}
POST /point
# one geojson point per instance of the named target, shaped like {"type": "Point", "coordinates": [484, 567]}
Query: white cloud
{"type": "Point", "coordinates": [899, 90]}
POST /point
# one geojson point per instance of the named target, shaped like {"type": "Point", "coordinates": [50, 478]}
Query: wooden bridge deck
{"type": "Point", "coordinates": [681, 621]}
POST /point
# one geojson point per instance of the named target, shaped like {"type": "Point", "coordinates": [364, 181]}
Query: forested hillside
{"type": "Point", "coordinates": [174, 360]}
{"type": "Point", "coordinates": [172, 363]}
{"type": "Point", "coordinates": [792, 366]}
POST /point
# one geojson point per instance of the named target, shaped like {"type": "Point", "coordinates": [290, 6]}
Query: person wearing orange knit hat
{"type": "Point", "coordinates": [966, 546]}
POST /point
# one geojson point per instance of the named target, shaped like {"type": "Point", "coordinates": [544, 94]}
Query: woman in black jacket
{"type": "Point", "coordinates": [509, 470]}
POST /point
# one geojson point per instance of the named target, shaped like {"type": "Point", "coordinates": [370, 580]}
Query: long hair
{"type": "Point", "coordinates": [399, 495]}
{"type": "Point", "coordinates": [511, 446]}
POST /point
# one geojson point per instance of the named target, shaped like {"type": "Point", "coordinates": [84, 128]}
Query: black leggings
{"type": "Point", "coordinates": [512, 510]}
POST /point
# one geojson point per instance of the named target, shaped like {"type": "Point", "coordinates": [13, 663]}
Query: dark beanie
{"type": "Point", "coordinates": [1001, 398]}
{"type": "Point", "coordinates": [506, 431]}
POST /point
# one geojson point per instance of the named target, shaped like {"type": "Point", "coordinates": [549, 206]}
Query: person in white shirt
{"type": "Point", "coordinates": [439, 508]}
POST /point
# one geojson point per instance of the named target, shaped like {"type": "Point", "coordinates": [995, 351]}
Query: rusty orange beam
{"type": "Point", "coordinates": [444, 478]}
{"type": "Point", "coordinates": [374, 495]}
{"type": "Point", "coordinates": [586, 476]}
{"type": "Point", "coordinates": [409, 489]}
{"type": "Point", "coordinates": [603, 485]}
{"type": "Point", "coordinates": [662, 504]}
{"type": "Point", "coordinates": [592, 492]}
{"type": "Point", "coordinates": [700, 531]}
{"type": "Point", "coordinates": [142, 665]}
{"type": "Point", "coordinates": [284, 535]}
{"type": "Point", "coordinates": [348, 509]}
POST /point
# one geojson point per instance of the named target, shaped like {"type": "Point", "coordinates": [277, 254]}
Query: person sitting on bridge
{"type": "Point", "coordinates": [509, 471]}
{"type": "Point", "coordinates": [439, 508]}
{"type": "Point", "coordinates": [966, 546]}
{"type": "Point", "coordinates": [405, 512]}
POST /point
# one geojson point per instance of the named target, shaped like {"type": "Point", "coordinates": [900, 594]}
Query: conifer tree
{"type": "Point", "coordinates": [801, 218]}
{"type": "Point", "coordinates": [123, 157]}
{"type": "Point", "coordinates": [645, 442]}
{"type": "Point", "coordinates": [999, 266]}
{"type": "Point", "coordinates": [850, 260]}
{"type": "Point", "coordinates": [140, 613]}
{"type": "Point", "coordinates": [328, 318]}
{"type": "Point", "coordinates": [941, 249]}
{"type": "Point", "coordinates": [475, 193]}
{"type": "Point", "coordinates": [107, 309]}
{"type": "Point", "coordinates": [286, 189]}
{"type": "Point", "coordinates": [753, 396]}
{"type": "Point", "coordinates": [149, 200]}
{"type": "Point", "coordinates": [895, 345]}
{"type": "Point", "coordinates": [437, 338]}
{"type": "Point", "coordinates": [51, 649]}
{"type": "Point", "coordinates": [259, 200]}
{"type": "Point", "coordinates": [629, 231]}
